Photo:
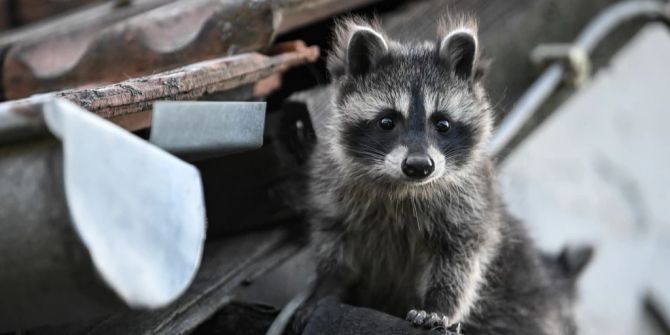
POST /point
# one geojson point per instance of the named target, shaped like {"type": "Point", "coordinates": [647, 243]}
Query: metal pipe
{"type": "Point", "coordinates": [618, 14]}
{"type": "Point", "coordinates": [549, 81]}
{"type": "Point", "coordinates": [525, 108]}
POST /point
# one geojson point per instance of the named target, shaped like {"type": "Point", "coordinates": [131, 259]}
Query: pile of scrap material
{"type": "Point", "coordinates": [104, 230]}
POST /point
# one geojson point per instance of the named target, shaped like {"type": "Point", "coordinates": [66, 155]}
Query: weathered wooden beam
{"type": "Point", "coordinates": [186, 83]}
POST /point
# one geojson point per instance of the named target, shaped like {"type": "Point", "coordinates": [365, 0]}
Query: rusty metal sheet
{"type": "Point", "coordinates": [161, 38]}
{"type": "Point", "coordinates": [106, 43]}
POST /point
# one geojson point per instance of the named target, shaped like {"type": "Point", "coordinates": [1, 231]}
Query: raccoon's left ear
{"type": "Point", "coordinates": [459, 51]}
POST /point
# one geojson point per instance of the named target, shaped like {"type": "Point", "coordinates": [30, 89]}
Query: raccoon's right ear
{"type": "Point", "coordinates": [364, 50]}
{"type": "Point", "coordinates": [459, 51]}
{"type": "Point", "coordinates": [357, 47]}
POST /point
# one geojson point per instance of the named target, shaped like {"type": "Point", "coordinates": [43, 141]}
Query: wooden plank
{"type": "Point", "coordinates": [186, 83]}
{"type": "Point", "coordinates": [226, 265]}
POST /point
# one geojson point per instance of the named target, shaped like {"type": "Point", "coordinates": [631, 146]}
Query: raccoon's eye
{"type": "Point", "coordinates": [442, 125]}
{"type": "Point", "coordinates": [386, 123]}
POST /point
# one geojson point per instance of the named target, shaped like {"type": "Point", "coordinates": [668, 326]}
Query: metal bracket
{"type": "Point", "coordinates": [573, 56]}
{"type": "Point", "coordinates": [205, 129]}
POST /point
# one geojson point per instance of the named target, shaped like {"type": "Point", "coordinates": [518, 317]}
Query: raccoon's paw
{"type": "Point", "coordinates": [433, 321]}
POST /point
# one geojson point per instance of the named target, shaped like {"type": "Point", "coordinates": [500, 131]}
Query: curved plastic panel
{"type": "Point", "coordinates": [138, 210]}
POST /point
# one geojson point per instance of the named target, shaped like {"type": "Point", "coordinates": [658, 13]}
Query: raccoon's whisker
{"type": "Point", "coordinates": [494, 106]}
{"type": "Point", "coordinates": [451, 153]}
{"type": "Point", "coordinates": [367, 148]}
{"type": "Point", "coordinates": [416, 215]}
{"type": "Point", "coordinates": [370, 151]}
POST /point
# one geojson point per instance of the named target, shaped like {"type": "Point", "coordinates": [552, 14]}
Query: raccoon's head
{"type": "Point", "coordinates": [409, 114]}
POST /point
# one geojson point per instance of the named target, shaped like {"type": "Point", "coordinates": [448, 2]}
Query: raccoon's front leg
{"type": "Point", "coordinates": [452, 291]}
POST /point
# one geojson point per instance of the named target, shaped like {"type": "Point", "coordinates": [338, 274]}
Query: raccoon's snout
{"type": "Point", "coordinates": [418, 166]}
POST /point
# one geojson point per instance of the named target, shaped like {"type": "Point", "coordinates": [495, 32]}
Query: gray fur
{"type": "Point", "coordinates": [445, 244]}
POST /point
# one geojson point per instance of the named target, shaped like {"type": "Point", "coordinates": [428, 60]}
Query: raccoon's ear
{"type": "Point", "coordinates": [573, 259]}
{"type": "Point", "coordinates": [366, 46]}
{"type": "Point", "coordinates": [459, 50]}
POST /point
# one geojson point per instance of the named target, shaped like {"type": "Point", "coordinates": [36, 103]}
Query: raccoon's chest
{"type": "Point", "coordinates": [391, 268]}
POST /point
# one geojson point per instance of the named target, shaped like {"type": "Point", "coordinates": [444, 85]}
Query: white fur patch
{"type": "Point", "coordinates": [432, 103]}
{"type": "Point", "coordinates": [438, 158]}
{"type": "Point", "coordinates": [367, 107]}
{"type": "Point", "coordinates": [401, 103]}
{"type": "Point", "coordinates": [470, 292]}
{"type": "Point", "coordinates": [456, 103]}
{"type": "Point", "coordinates": [393, 162]}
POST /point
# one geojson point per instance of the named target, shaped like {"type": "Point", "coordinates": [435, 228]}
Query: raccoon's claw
{"type": "Point", "coordinates": [433, 321]}
{"type": "Point", "coordinates": [455, 329]}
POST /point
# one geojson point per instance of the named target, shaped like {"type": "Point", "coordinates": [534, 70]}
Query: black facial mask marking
{"type": "Point", "coordinates": [369, 144]}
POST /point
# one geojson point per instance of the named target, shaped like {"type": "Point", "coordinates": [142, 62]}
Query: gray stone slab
{"type": "Point", "coordinates": [597, 171]}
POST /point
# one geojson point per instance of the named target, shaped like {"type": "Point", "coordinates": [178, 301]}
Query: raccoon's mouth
{"type": "Point", "coordinates": [419, 182]}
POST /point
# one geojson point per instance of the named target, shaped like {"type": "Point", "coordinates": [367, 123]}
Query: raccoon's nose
{"type": "Point", "coordinates": [418, 166]}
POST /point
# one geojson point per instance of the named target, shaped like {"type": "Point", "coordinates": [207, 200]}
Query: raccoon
{"type": "Point", "coordinates": [405, 214]}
